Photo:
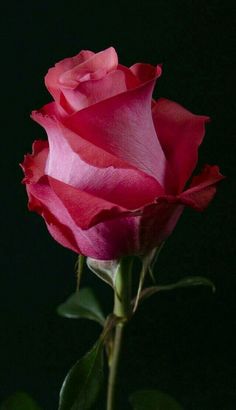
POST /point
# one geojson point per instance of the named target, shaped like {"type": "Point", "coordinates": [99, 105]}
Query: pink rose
{"type": "Point", "coordinates": [111, 180]}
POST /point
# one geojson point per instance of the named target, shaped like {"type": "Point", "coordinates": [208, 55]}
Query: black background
{"type": "Point", "coordinates": [182, 342]}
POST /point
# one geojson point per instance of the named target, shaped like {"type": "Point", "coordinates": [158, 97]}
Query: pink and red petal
{"type": "Point", "coordinates": [92, 91]}
{"type": "Point", "coordinates": [59, 223]}
{"type": "Point", "coordinates": [102, 62]}
{"type": "Point", "coordinates": [85, 209]}
{"type": "Point", "coordinates": [63, 228]}
{"type": "Point", "coordinates": [131, 80]}
{"type": "Point", "coordinates": [73, 161]}
{"type": "Point", "coordinates": [54, 73]}
{"type": "Point", "coordinates": [106, 240]}
{"type": "Point", "coordinates": [122, 125]}
{"type": "Point", "coordinates": [114, 238]}
{"type": "Point", "coordinates": [145, 72]}
{"type": "Point", "coordinates": [180, 133]}
{"type": "Point", "coordinates": [34, 164]}
{"type": "Point", "coordinates": [157, 223]}
{"type": "Point", "coordinates": [158, 220]}
{"type": "Point", "coordinates": [202, 188]}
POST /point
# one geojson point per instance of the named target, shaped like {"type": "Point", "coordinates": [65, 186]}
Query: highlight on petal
{"type": "Point", "coordinates": [180, 133]}
{"type": "Point", "coordinates": [110, 231]}
{"type": "Point", "coordinates": [123, 126]}
{"type": "Point", "coordinates": [73, 161]}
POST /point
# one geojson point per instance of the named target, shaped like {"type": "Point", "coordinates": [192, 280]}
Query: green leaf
{"type": "Point", "coordinates": [183, 283]}
{"type": "Point", "coordinates": [19, 401]}
{"type": "Point", "coordinates": [82, 304]}
{"type": "Point", "coordinates": [153, 400]}
{"type": "Point", "coordinates": [83, 383]}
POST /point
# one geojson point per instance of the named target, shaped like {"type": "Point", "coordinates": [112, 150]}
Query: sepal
{"type": "Point", "coordinates": [105, 270]}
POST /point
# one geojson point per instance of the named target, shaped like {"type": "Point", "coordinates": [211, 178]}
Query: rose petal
{"type": "Point", "coordinates": [59, 223]}
{"type": "Point", "coordinates": [202, 188]}
{"type": "Point", "coordinates": [158, 220]}
{"type": "Point", "coordinates": [104, 61]}
{"type": "Point", "coordinates": [115, 238]}
{"type": "Point", "coordinates": [157, 223]}
{"type": "Point", "coordinates": [145, 72]}
{"type": "Point", "coordinates": [90, 92]}
{"type": "Point", "coordinates": [34, 164]}
{"type": "Point", "coordinates": [111, 180]}
{"type": "Point", "coordinates": [85, 209]}
{"type": "Point", "coordinates": [123, 126]}
{"type": "Point", "coordinates": [106, 241]}
{"type": "Point", "coordinates": [52, 77]}
{"type": "Point", "coordinates": [131, 80]}
{"type": "Point", "coordinates": [180, 133]}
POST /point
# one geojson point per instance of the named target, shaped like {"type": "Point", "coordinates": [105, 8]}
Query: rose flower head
{"type": "Point", "coordinates": [111, 179]}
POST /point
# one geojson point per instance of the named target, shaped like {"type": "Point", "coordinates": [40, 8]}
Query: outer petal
{"type": "Point", "coordinates": [131, 80]}
{"type": "Point", "coordinates": [200, 192]}
{"type": "Point", "coordinates": [34, 165]}
{"type": "Point", "coordinates": [114, 238]}
{"type": "Point", "coordinates": [159, 220]}
{"type": "Point", "coordinates": [60, 224]}
{"type": "Point", "coordinates": [157, 223]}
{"type": "Point", "coordinates": [74, 161]}
{"type": "Point", "coordinates": [202, 188]}
{"type": "Point", "coordinates": [145, 72]}
{"type": "Point", "coordinates": [108, 240]}
{"type": "Point", "coordinates": [123, 126]}
{"type": "Point", "coordinates": [180, 133]}
{"type": "Point", "coordinates": [85, 209]}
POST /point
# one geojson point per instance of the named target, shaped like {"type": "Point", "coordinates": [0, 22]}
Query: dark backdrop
{"type": "Point", "coordinates": [182, 342]}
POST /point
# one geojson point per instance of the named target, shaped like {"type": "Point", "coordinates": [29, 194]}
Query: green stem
{"type": "Point", "coordinates": [79, 266]}
{"type": "Point", "coordinates": [122, 309]}
{"type": "Point", "coordinates": [114, 367]}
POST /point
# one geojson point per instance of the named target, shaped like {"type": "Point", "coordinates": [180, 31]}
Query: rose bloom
{"type": "Point", "coordinates": [111, 179]}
